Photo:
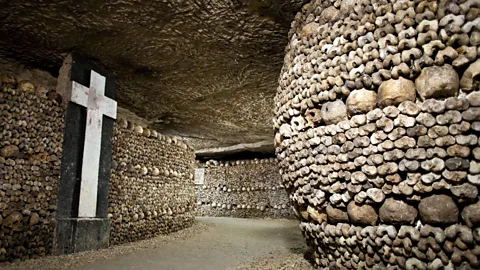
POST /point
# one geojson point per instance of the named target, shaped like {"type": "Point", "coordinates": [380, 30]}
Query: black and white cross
{"type": "Point", "coordinates": [82, 199]}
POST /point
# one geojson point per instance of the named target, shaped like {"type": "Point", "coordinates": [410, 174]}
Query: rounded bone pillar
{"type": "Point", "coordinates": [397, 180]}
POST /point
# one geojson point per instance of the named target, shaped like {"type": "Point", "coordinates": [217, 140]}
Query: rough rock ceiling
{"type": "Point", "coordinates": [206, 70]}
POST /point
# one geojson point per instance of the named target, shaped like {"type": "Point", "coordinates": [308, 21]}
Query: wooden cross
{"type": "Point", "coordinates": [97, 105]}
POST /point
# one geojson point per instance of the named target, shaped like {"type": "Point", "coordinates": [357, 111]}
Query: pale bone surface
{"type": "Point", "coordinates": [203, 69]}
{"type": "Point", "coordinates": [378, 116]}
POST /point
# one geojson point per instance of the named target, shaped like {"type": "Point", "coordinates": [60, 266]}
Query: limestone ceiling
{"type": "Point", "coordinates": [206, 70]}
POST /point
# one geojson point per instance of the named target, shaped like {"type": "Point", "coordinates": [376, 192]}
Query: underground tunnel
{"type": "Point", "coordinates": [334, 134]}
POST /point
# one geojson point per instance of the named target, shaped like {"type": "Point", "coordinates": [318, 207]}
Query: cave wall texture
{"type": "Point", "coordinates": [377, 117]}
{"type": "Point", "coordinates": [151, 186]}
{"type": "Point", "coordinates": [205, 70]}
{"type": "Point", "coordinates": [242, 188]}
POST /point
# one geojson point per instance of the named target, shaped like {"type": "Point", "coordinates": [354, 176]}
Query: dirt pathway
{"type": "Point", "coordinates": [228, 244]}
{"type": "Point", "coordinates": [222, 243]}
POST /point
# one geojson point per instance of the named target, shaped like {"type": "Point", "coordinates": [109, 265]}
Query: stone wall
{"type": "Point", "coordinates": [31, 137]}
{"type": "Point", "coordinates": [151, 188]}
{"type": "Point", "coordinates": [245, 189]}
{"type": "Point", "coordinates": [377, 123]}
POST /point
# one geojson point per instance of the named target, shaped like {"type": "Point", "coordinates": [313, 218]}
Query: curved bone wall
{"type": "Point", "coordinates": [152, 188]}
{"type": "Point", "coordinates": [151, 185]}
{"type": "Point", "coordinates": [377, 118]}
{"type": "Point", "coordinates": [242, 189]}
{"type": "Point", "coordinates": [31, 138]}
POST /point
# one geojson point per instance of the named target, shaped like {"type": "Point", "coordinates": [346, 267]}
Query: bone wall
{"type": "Point", "coordinates": [377, 123]}
{"type": "Point", "coordinates": [151, 187]}
{"type": "Point", "coordinates": [31, 137]}
{"type": "Point", "coordinates": [242, 189]}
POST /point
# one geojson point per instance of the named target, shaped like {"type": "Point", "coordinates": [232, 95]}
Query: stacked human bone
{"type": "Point", "coordinates": [242, 188]}
{"type": "Point", "coordinates": [152, 188]}
{"type": "Point", "coordinates": [377, 123]}
{"type": "Point", "coordinates": [31, 136]}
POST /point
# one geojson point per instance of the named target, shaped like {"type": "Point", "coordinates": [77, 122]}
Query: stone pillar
{"type": "Point", "coordinates": [377, 121]}
{"type": "Point", "coordinates": [76, 233]}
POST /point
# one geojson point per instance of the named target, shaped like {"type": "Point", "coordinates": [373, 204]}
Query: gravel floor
{"type": "Point", "coordinates": [280, 261]}
{"type": "Point", "coordinates": [212, 243]}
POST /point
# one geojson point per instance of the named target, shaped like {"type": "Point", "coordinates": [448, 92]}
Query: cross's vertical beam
{"type": "Point", "coordinates": [91, 152]}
